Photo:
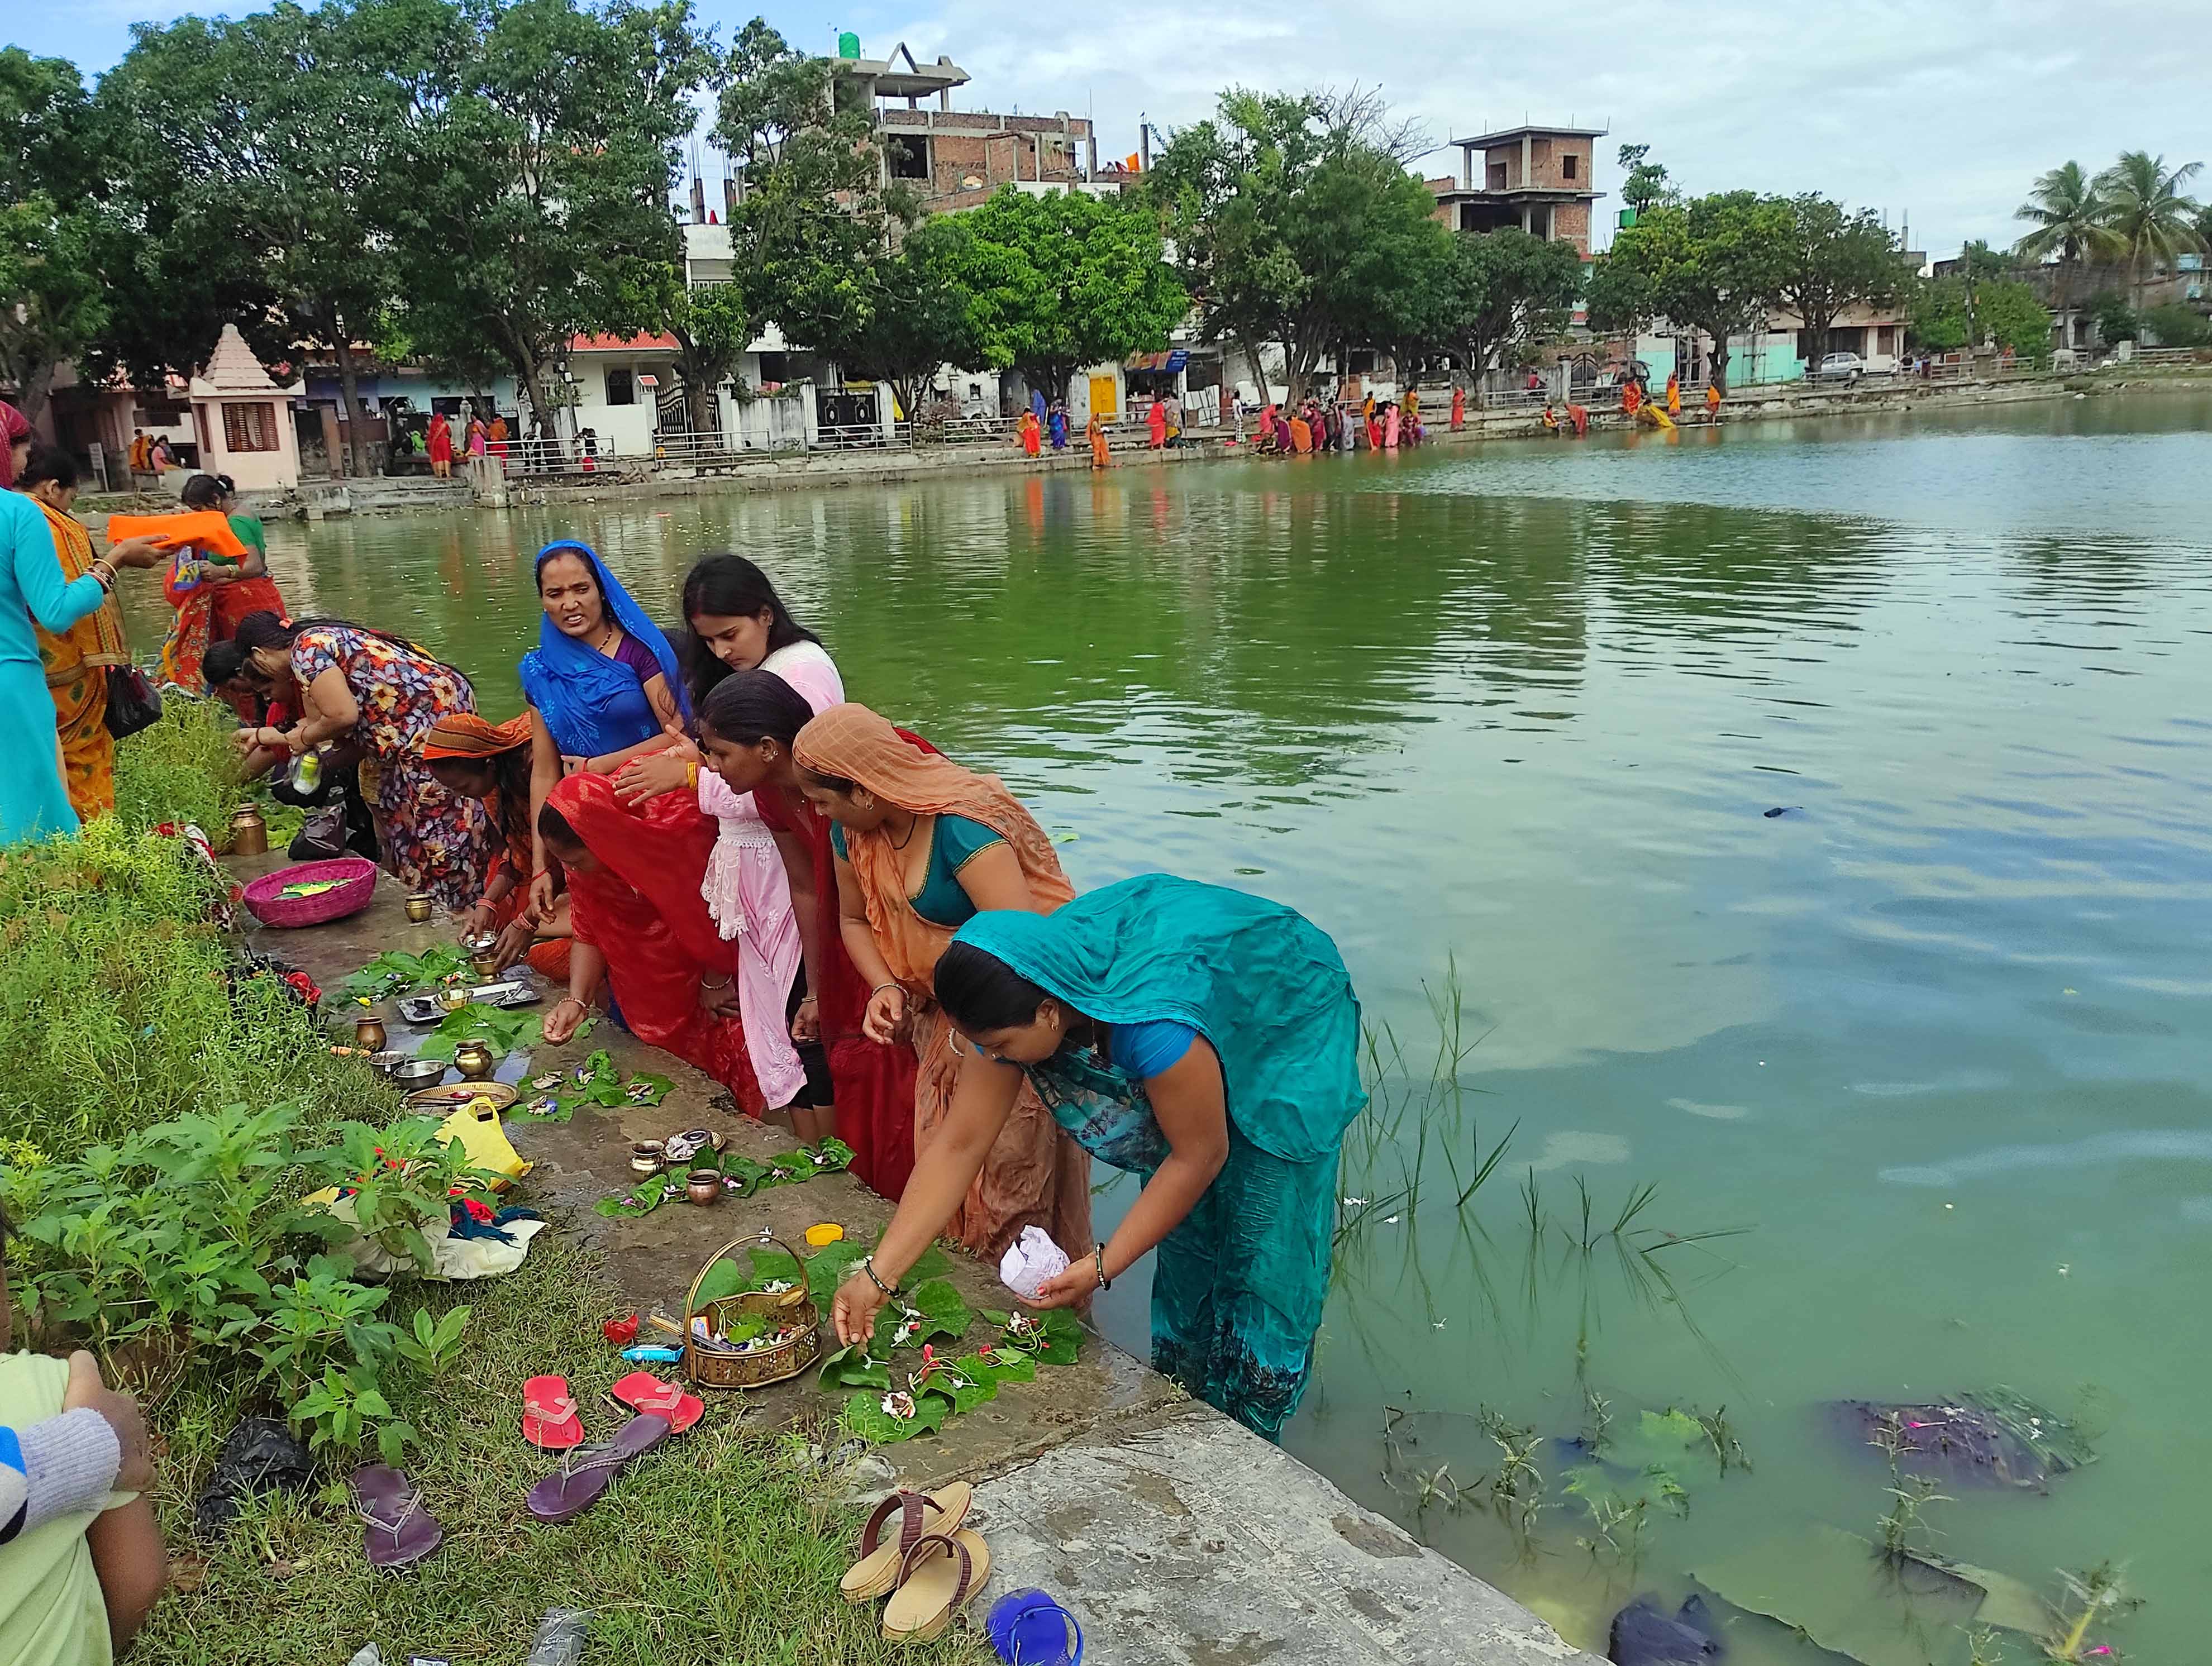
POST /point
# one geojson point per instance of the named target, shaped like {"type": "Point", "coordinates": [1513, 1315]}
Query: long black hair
{"type": "Point", "coordinates": [729, 586]}
{"type": "Point", "coordinates": [48, 463]}
{"type": "Point", "coordinates": [980, 992]}
{"type": "Point", "coordinates": [266, 630]}
{"type": "Point", "coordinates": [749, 707]}
{"type": "Point", "coordinates": [204, 491]}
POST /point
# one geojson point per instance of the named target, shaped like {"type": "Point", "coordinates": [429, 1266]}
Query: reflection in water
{"type": "Point", "coordinates": [1519, 710]}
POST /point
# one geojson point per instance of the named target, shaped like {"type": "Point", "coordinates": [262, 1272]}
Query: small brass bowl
{"type": "Point", "coordinates": [645, 1157]}
{"type": "Point", "coordinates": [454, 998]}
{"type": "Point", "coordinates": [485, 966]}
{"type": "Point", "coordinates": [420, 906]}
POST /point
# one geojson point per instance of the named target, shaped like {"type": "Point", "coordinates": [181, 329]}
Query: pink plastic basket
{"type": "Point", "coordinates": [357, 883]}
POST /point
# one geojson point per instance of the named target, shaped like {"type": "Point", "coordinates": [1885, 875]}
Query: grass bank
{"type": "Point", "coordinates": [163, 1113]}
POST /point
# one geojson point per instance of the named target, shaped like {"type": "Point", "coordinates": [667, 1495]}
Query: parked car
{"type": "Point", "coordinates": [1841, 367]}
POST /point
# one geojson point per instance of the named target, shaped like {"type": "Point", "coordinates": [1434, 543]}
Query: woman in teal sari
{"type": "Point", "coordinates": [1205, 1039]}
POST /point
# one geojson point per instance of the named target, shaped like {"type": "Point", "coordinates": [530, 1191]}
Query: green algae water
{"type": "Point", "coordinates": [1510, 720]}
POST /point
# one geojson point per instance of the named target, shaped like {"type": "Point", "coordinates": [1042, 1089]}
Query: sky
{"type": "Point", "coordinates": [1941, 113]}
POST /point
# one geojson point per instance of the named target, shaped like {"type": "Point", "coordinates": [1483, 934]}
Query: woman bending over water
{"type": "Point", "coordinates": [1205, 1039]}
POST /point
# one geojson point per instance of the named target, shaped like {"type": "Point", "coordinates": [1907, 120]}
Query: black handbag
{"type": "Point", "coordinates": [133, 704]}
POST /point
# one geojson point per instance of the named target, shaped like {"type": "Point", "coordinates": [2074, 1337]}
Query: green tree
{"type": "Point", "coordinates": [1504, 290]}
{"type": "Point", "coordinates": [906, 316]}
{"type": "Point", "coordinates": [2148, 216]}
{"type": "Point", "coordinates": [2010, 313]}
{"type": "Point", "coordinates": [1646, 184]}
{"type": "Point", "coordinates": [2176, 326]}
{"type": "Point", "coordinates": [1940, 319]}
{"type": "Point", "coordinates": [2116, 320]}
{"type": "Point", "coordinates": [267, 143]}
{"type": "Point", "coordinates": [812, 207]}
{"type": "Point", "coordinates": [1277, 209]}
{"type": "Point", "coordinates": [1059, 281]}
{"type": "Point", "coordinates": [1832, 261]}
{"type": "Point", "coordinates": [53, 228]}
{"type": "Point", "coordinates": [536, 150]}
{"type": "Point", "coordinates": [2069, 217]}
{"type": "Point", "coordinates": [1711, 264]}
{"type": "Point", "coordinates": [712, 326]}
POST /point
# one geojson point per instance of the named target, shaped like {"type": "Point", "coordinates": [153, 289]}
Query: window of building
{"type": "Point", "coordinates": [1568, 165]}
{"type": "Point", "coordinates": [774, 367]}
{"type": "Point", "coordinates": [907, 155]}
{"type": "Point", "coordinates": [249, 427]}
{"type": "Point", "coordinates": [622, 388]}
{"type": "Point", "coordinates": [1497, 176]}
{"type": "Point", "coordinates": [1360, 362]}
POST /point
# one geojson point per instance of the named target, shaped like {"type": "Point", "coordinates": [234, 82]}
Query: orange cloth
{"type": "Point", "coordinates": [1673, 395]}
{"type": "Point", "coordinates": [1631, 395]}
{"type": "Point", "coordinates": [1713, 397]}
{"type": "Point", "coordinates": [1031, 433]}
{"type": "Point", "coordinates": [1097, 436]}
{"type": "Point", "coordinates": [204, 529]}
{"type": "Point", "coordinates": [1034, 1175]}
{"type": "Point", "coordinates": [465, 735]}
{"type": "Point", "coordinates": [1459, 409]}
{"type": "Point", "coordinates": [1301, 436]}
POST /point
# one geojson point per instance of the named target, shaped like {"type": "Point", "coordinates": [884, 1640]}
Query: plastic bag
{"type": "Point", "coordinates": [1031, 1262]}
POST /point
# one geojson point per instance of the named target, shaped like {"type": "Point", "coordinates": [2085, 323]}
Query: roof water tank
{"type": "Point", "coordinates": [848, 45]}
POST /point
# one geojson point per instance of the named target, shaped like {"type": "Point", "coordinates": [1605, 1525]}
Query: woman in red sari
{"type": "Point", "coordinates": [640, 923]}
{"type": "Point", "coordinates": [747, 724]}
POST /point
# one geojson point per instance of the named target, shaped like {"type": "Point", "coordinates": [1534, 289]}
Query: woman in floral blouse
{"type": "Point", "coordinates": [382, 695]}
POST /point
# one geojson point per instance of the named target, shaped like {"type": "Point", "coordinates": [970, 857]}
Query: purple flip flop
{"type": "Point", "coordinates": [397, 1530]}
{"type": "Point", "coordinates": [579, 1483]}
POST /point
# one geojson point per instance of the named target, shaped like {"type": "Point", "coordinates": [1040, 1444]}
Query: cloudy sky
{"type": "Point", "coordinates": [1942, 112]}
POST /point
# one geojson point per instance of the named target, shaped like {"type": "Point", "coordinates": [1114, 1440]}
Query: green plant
{"type": "Point", "coordinates": [1903, 1526]}
{"type": "Point", "coordinates": [1983, 1646]}
{"type": "Point", "coordinates": [1726, 1449]}
{"type": "Point", "coordinates": [506, 1029]}
{"type": "Point", "coordinates": [316, 1322]}
{"type": "Point", "coordinates": [1516, 1486]}
{"type": "Point", "coordinates": [2093, 1597]}
{"type": "Point", "coordinates": [432, 1346]}
{"type": "Point", "coordinates": [1597, 1421]}
{"type": "Point", "coordinates": [343, 1408]}
{"type": "Point", "coordinates": [396, 972]}
{"type": "Point", "coordinates": [2176, 326]}
{"type": "Point", "coordinates": [1617, 1527]}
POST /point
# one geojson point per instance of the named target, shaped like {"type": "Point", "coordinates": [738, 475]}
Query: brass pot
{"type": "Point", "coordinates": [452, 998]}
{"type": "Point", "coordinates": [645, 1156]}
{"type": "Point", "coordinates": [704, 1186]}
{"type": "Point", "coordinates": [420, 906]}
{"type": "Point", "coordinates": [485, 966]}
{"type": "Point", "coordinates": [249, 834]}
{"type": "Point", "coordinates": [474, 1060]}
{"type": "Point", "coordinates": [368, 1033]}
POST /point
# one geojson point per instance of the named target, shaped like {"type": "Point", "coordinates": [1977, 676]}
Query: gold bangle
{"type": "Point", "coordinates": [691, 776]}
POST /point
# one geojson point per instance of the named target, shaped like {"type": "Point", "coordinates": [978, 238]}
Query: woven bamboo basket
{"type": "Point", "coordinates": [710, 1369]}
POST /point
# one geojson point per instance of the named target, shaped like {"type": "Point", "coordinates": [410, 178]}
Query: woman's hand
{"type": "Point", "coordinates": [476, 922]}
{"type": "Point", "coordinates": [650, 775]}
{"type": "Point", "coordinates": [885, 1018]}
{"type": "Point", "coordinates": [720, 999]}
{"type": "Point", "coordinates": [142, 552]}
{"type": "Point", "coordinates": [1070, 1288]}
{"type": "Point", "coordinates": [855, 1308]}
{"type": "Point", "coordinates": [573, 765]}
{"type": "Point", "coordinates": [246, 740]}
{"type": "Point", "coordinates": [542, 893]}
{"type": "Point", "coordinates": [806, 1021]}
{"type": "Point", "coordinates": [568, 1016]}
{"type": "Point", "coordinates": [295, 740]}
{"type": "Point", "coordinates": [515, 941]}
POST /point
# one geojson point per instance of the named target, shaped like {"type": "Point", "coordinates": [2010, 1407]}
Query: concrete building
{"type": "Point", "coordinates": [1540, 178]}
{"type": "Point", "coordinates": [955, 158]}
{"type": "Point", "coordinates": [243, 419]}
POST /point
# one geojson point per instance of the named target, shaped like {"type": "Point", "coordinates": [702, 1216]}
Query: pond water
{"type": "Point", "coordinates": [1508, 721]}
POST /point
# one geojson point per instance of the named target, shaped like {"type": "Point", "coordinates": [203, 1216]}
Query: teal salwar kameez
{"type": "Point", "coordinates": [1238, 1289]}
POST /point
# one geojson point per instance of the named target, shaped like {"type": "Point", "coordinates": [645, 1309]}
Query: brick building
{"type": "Point", "coordinates": [1539, 179]}
{"type": "Point", "coordinates": [957, 158]}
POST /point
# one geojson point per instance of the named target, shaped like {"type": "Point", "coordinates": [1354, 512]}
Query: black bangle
{"type": "Point", "coordinates": [1098, 1258]}
{"type": "Point", "coordinates": [868, 1266]}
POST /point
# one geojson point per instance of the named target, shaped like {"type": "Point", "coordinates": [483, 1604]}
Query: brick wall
{"type": "Point", "coordinates": [995, 160]}
{"type": "Point", "coordinates": [1571, 223]}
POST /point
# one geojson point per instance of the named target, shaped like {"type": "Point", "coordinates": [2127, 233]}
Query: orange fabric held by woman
{"type": "Point", "coordinates": [1034, 1175]}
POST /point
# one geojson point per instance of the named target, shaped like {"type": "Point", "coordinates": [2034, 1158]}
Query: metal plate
{"type": "Point", "coordinates": [454, 1094]}
{"type": "Point", "coordinates": [425, 1009]}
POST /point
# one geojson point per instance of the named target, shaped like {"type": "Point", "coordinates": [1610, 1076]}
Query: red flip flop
{"type": "Point", "coordinates": [549, 1414]}
{"type": "Point", "coordinates": [644, 1394]}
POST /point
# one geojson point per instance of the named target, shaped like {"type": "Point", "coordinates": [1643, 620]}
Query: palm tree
{"type": "Point", "coordinates": [2145, 211]}
{"type": "Point", "coordinates": [2069, 217]}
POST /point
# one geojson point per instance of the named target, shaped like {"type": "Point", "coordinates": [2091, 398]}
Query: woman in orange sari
{"type": "Point", "coordinates": [923, 845]}
{"type": "Point", "coordinates": [1459, 408]}
{"type": "Point", "coordinates": [1095, 431]}
{"type": "Point", "coordinates": [1032, 435]}
{"type": "Point", "coordinates": [77, 660]}
{"type": "Point", "coordinates": [490, 762]}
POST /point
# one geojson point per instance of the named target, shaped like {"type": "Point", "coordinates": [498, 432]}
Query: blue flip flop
{"type": "Point", "coordinates": [1027, 1628]}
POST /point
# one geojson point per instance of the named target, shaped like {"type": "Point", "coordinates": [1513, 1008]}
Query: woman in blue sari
{"type": "Point", "coordinates": [1205, 1039]}
{"type": "Point", "coordinates": [602, 684]}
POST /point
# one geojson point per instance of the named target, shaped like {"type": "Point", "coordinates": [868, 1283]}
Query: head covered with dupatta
{"type": "Point", "coordinates": [573, 685]}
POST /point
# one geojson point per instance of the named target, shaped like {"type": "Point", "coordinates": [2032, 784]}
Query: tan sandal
{"type": "Point", "coordinates": [876, 1573]}
{"type": "Point", "coordinates": [939, 1576]}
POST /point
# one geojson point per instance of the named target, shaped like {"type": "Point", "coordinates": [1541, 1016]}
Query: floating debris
{"type": "Point", "coordinates": [1992, 1436]}
{"type": "Point", "coordinates": [1645, 1634]}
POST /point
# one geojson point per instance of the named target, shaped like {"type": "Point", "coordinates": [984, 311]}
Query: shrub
{"type": "Point", "coordinates": [182, 768]}
{"type": "Point", "coordinates": [2176, 326]}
